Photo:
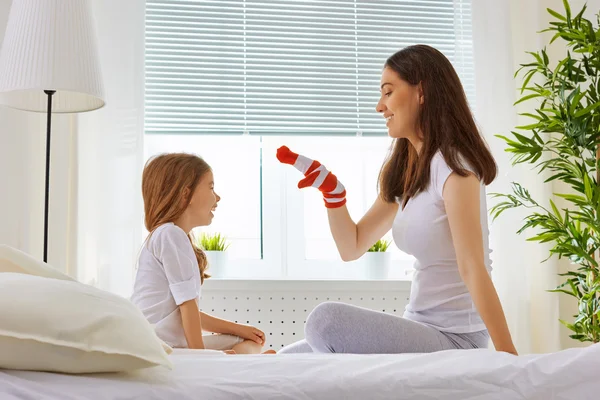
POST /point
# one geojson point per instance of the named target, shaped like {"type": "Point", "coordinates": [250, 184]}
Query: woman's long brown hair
{"type": "Point", "coordinates": [445, 122]}
{"type": "Point", "coordinates": [166, 178]}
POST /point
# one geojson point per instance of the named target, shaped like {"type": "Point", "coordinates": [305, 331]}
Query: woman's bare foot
{"type": "Point", "coordinates": [269, 352]}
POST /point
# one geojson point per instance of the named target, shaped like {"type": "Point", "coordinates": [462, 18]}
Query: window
{"type": "Point", "coordinates": [234, 80]}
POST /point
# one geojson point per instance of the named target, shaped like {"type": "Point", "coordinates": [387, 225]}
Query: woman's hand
{"type": "Point", "coordinates": [315, 175]}
{"type": "Point", "coordinates": [513, 352]}
{"type": "Point", "coordinates": [250, 333]}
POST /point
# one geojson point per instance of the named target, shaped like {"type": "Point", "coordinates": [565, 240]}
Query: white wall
{"type": "Point", "coordinates": [22, 178]}
{"type": "Point", "coordinates": [15, 141]}
{"type": "Point", "coordinates": [95, 194]}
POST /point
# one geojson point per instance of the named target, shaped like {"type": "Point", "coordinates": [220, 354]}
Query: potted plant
{"type": "Point", "coordinates": [377, 260]}
{"type": "Point", "coordinates": [215, 246]}
{"type": "Point", "coordinates": [564, 139]}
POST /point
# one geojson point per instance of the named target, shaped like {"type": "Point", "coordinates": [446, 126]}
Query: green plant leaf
{"type": "Point", "coordinates": [212, 242]}
{"type": "Point", "coordinates": [528, 77]}
{"type": "Point", "coordinates": [556, 15]}
{"type": "Point", "coordinates": [556, 212]}
{"type": "Point", "coordinates": [568, 12]}
{"type": "Point", "coordinates": [528, 97]}
{"type": "Point", "coordinates": [587, 110]}
{"type": "Point", "coordinates": [529, 127]}
{"type": "Point", "coordinates": [565, 127]}
{"type": "Point", "coordinates": [380, 246]}
{"type": "Point", "coordinates": [590, 28]}
{"type": "Point", "coordinates": [556, 36]}
{"type": "Point", "coordinates": [577, 96]}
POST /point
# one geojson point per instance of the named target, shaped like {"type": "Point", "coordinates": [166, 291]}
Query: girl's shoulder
{"type": "Point", "coordinates": [168, 232]}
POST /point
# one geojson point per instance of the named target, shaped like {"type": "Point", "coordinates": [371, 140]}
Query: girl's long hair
{"type": "Point", "coordinates": [164, 181]}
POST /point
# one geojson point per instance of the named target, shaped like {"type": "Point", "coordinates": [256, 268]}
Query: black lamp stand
{"type": "Point", "coordinates": [47, 194]}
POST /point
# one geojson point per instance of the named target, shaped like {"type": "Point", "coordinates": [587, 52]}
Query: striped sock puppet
{"type": "Point", "coordinates": [315, 175]}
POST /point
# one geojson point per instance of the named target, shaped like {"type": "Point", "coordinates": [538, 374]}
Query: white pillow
{"type": "Point", "coordinates": [13, 260]}
{"type": "Point", "coordinates": [63, 326]}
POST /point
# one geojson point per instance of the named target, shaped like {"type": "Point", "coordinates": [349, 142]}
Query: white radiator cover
{"type": "Point", "coordinates": [280, 307]}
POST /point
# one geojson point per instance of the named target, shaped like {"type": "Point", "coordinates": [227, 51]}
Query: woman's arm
{"type": "Point", "coordinates": [192, 324]}
{"type": "Point", "coordinates": [353, 240]}
{"type": "Point", "coordinates": [461, 198]}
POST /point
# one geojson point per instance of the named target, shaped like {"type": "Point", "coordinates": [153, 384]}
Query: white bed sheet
{"type": "Point", "coordinates": [457, 374]}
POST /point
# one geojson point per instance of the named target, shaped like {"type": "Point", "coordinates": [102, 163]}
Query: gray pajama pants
{"type": "Point", "coordinates": [342, 328]}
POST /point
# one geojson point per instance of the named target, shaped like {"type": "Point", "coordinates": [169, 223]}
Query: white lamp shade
{"type": "Point", "coordinates": [50, 45]}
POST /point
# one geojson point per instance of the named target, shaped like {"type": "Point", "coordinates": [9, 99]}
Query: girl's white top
{"type": "Point", "coordinates": [167, 276]}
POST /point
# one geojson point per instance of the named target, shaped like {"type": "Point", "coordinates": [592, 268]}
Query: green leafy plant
{"type": "Point", "coordinates": [380, 246]}
{"type": "Point", "coordinates": [564, 139]}
{"type": "Point", "coordinates": [214, 242]}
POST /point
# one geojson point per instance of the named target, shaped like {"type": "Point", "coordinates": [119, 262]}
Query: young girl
{"type": "Point", "coordinates": [432, 197]}
{"type": "Point", "coordinates": [178, 192]}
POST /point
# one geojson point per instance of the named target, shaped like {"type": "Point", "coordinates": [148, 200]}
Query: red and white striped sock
{"type": "Point", "coordinates": [315, 175]}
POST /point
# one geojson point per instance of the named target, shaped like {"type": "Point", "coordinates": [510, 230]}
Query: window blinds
{"type": "Point", "coordinates": [284, 67]}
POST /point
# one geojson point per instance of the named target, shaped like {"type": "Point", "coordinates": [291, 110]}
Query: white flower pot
{"type": "Point", "coordinates": [217, 263]}
{"type": "Point", "coordinates": [377, 264]}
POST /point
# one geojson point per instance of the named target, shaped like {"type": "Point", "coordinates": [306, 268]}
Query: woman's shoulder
{"type": "Point", "coordinates": [440, 165]}
{"type": "Point", "coordinates": [441, 170]}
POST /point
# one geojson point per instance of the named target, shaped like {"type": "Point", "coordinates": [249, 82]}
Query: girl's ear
{"type": "Point", "coordinates": [186, 198]}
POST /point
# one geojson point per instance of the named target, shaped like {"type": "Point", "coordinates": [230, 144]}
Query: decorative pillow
{"type": "Point", "coordinates": [13, 260]}
{"type": "Point", "coordinates": [64, 326]}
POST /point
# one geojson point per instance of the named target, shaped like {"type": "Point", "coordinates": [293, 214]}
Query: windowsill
{"type": "Point", "coordinates": [311, 271]}
{"type": "Point", "coordinates": [309, 279]}
{"type": "Point", "coordinates": [320, 285]}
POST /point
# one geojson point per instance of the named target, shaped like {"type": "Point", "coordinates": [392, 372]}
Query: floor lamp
{"type": "Point", "coordinates": [49, 63]}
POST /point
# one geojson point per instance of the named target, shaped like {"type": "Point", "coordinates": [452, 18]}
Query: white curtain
{"type": "Point", "coordinates": [110, 214]}
{"type": "Point", "coordinates": [502, 32]}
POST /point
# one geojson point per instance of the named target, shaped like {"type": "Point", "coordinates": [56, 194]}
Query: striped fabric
{"type": "Point", "coordinates": [315, 175]}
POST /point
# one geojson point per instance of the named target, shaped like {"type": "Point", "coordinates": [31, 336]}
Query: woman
{"type": "Point", "coordinates": [432, 197]}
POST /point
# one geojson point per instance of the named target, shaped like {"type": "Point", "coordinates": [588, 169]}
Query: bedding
{"type": "Point", "coordinates": [13, 260]}
{"type": "Point", "coordinates": [448, 375]}
{"type": "Point", "coordinates": [64, 326]}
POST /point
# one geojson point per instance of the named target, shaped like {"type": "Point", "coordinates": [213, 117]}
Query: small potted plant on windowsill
{"type": "Point", "coordinates": [215, 246]}
{"type": "Point", "coordinates": [377, 260]}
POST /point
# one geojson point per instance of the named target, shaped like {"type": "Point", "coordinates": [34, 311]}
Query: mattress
{"type": "Point", "coordinates": [455, 374]}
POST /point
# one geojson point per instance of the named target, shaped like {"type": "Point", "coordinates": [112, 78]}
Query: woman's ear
{"type": "Point", "coordinates": [420, 95]}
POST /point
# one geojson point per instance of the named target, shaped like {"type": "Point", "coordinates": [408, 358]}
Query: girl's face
{"type": "Point", "coordinates": [399, 104]}
{"type": "Point", "coordinates": [204, 201]}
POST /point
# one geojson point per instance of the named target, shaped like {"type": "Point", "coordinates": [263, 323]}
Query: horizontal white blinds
{"type": "Point", "coordinates": [276, 67]}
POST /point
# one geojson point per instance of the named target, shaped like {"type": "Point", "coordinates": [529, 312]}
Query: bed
{"type": "Point", "coordinates": [456, 374]}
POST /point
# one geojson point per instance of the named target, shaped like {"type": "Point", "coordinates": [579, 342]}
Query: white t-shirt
{"type": "Point", "coordinates": [167, 276]}
{"type": "Point", "coordinates": [438, 297]}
